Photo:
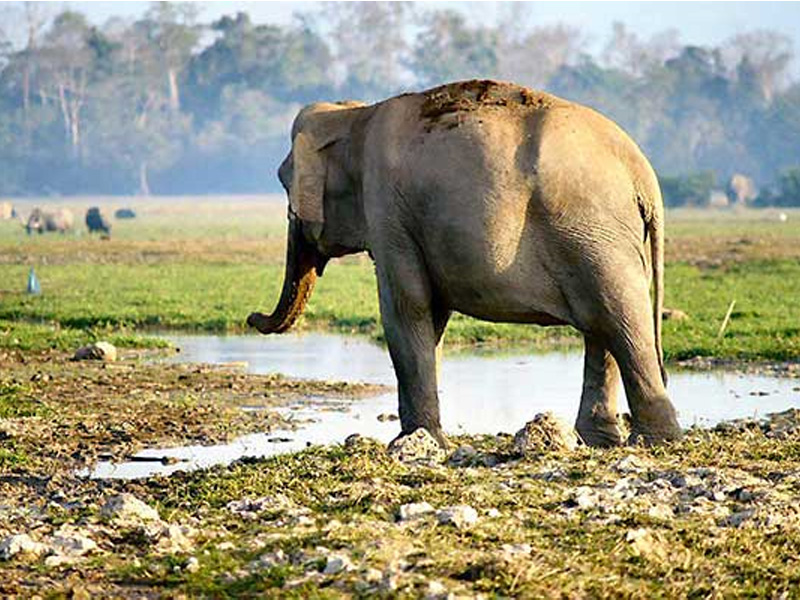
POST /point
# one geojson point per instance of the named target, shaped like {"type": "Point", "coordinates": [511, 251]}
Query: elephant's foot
{"type": "Point", "coordinates": [655, 423]}
{"type": "Point", "coordinates": [600, 433]}
{"type": "Point", "coordinates": [434, 432]}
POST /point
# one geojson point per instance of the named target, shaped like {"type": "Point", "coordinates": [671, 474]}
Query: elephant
{"type": "Point", "coordinates": [497, 202]}
{"type": "Point", "coordinates": [60, 220]}
{"type": "Point", "coordinates": [97, 221]}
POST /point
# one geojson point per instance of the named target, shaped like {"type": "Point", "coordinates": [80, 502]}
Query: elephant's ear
{"type": "Point", "coordinates": [308, 181]}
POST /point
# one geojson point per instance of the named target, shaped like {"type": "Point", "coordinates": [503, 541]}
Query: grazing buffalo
{"type": "Point", "coordinates": [60, 220]}
{"type": "Point", "coordinates": [97, 221]}
{"type": "Point", "coordinates": [125, 213]}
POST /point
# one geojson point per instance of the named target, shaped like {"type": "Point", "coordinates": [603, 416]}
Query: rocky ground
{"type": "Point", "coordinates": [531, 515]}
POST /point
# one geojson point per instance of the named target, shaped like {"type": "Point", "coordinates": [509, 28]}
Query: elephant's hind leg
{"type": "Point", "coordinates": [632, 342]}
{"type": "Point", "coordinates": [597, 421]}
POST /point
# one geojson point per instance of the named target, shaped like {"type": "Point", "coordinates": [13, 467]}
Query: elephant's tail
{"type": "Point", "coordinates": [655, 228]}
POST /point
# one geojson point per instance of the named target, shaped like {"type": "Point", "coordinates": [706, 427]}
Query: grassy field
{"type": "Point", "coordinates": [205, 265]}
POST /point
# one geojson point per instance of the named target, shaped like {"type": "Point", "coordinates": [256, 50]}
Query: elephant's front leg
{"type": "Point", "coordinates": [597, 421]}
{"type": "Point", "coordinates": [413, 327]}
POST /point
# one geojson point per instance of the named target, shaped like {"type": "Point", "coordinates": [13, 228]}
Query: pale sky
{"type": "Point", "coordinates": [699, 23]}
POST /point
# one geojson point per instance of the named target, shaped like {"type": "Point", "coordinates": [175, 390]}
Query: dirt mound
{"type": "Point", "coordinates": [467, 96]}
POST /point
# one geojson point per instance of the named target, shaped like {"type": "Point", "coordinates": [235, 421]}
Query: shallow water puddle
{"type": "Point", "coordinates": [479, 393]}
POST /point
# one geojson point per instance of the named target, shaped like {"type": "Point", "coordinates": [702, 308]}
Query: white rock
{"type": "Point", "coordinates": [516, 550]}
{"type": "Point", "coordinates": [463, 455]}
{"type": "Point", "coordinates": [459, 516]}
{"type": "Point", "coordinates": [493, 513]}
{"type": "Point", "coordinates": [545, 432]}
{"type": "Point", "coordinates": [418, 447]}
{"type": "Point", "coordinates": [373, 576]}
{"type": "Point", "coordinates": [70, 541]}
{"type": "Point", "coordinates": [20, 543]}
{"type": "Point", "coordinates": [414, 510]}
{"type": "Point", "coordinates": [192, 565]}
{"type": "Point", "coordinates": [436, 590]}
{"type": "Point", "coordinates": [738, 519]}
{"type": "Point", "coordinates": [128, 508]}
{"type": "Point", "coordinates": [172, 539]}
{"type": "Point", "coordinates": [336, 563]}
{"type": "Point", "coordinates": [661, 512]}
{"type": "Point", "coordinates": [630, 464]}
{"type": "Point", "coordinates": [585, 498]}
{"type": "Point", "coordinates": [56, 560]}
{"type": "Point", "coordinates": [269, 560]}
{"type": "Point", "coordinates": [250, 508]}
{"type": "Point", "coordinates": [643, 543]}
{"type": "Point", "coordinates": [97, 351]}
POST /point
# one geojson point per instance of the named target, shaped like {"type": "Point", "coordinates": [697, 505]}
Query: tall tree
{"type": "Point", "coordinates": [447, 48]}
{"type": "Point", "coordinates": [369, 44]}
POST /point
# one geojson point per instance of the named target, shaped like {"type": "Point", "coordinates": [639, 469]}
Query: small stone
{"type": "Point", "coordinates": [660, 512]}
{"type": "Point", "coordinates": [72, 542]}
{"type": "Point", "coordinates": [414, 510]}
{"type": "Point", "coordinates": [336, 563]}
{"type": "Point", "coordinates": [436, 590]}
{"type": "Point", "coordinates": [459, 516]}
{"type": "Point", "coordinates": [56, 560]}
{"type": "Point", "coordinates": [192, 565]}
{"type": "Point", "coordinates": [418, 447]}
{"type": "Point", "coordinates": [641, 542]}
{"type": "Point", "coordinates": [128, 508]}
{"type": "Point", "coordinates": [226, 546]}
{"type": "Point", "coordinates": [516, 550]}
{"type": "Point", "coordinates": [463, 455]}
{"type": "Point", "coordinates": [739, 518]}
{"type": "Point", "coordinates": [97, 351]}
{"type": "Point", "coordinates": [251, 508]}
{"type": "Point", "coordinates": [584, 498]}
{"type": "Point", "coordinates": [674, 314]}
{"type": "Point", "coordinates": [545, 432]}
{"type": "Point", "coordinates": [353, 440]}
{"type": "Point", "coordinates": [630, 464]}
{"type": "Point", "coordinates": [373, 576]}
{"type": "Point", "coordinates": [303, 521]}
{"type": "Point", "coordinates": [383, 417]}
{"type": "Point", "coordinates": [20, 544]}
{"type": "Point", "coordinates": [173, 539]}
{"type": "Point", "coordinates": [493, 513]}
{"type": "Point", "coordinates": [269, 560]}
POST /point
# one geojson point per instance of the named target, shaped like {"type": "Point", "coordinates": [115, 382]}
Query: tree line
{"type": "Point", "coordinates": [169, 104]}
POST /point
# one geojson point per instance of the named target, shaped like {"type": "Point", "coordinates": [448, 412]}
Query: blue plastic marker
{"type": "Point", "coordinates": [33, 283]}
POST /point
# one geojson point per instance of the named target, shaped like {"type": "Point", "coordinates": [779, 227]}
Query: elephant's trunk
{"type": "Point", "coordinates": [302, 263]}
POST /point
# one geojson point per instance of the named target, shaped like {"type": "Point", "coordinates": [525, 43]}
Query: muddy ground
{"type": "Point", "coordinates": [713, 515]}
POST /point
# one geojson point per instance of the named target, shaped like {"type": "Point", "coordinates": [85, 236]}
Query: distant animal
{"type": "Point", "coordinates": [741, 189]}
{"type": "Point", "coordinates": [7, 211]}
{"type": "Point", "coordinates": [125, 213]}
{"type": "Point", "coordinates": [97, 221]}
{"type": "Point", "coordinates": [60, 220]}
{"type": "Point", "coordinates": [498, 202]}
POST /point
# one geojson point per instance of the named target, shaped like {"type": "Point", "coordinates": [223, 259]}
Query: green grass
{"type": "Point", "coordinates": [85, 302]}
{"type": "Point", "coordinates": [206, 267]}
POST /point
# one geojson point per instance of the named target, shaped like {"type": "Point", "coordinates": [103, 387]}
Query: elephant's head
{"type": "Point", "coordinates": [326, 217]}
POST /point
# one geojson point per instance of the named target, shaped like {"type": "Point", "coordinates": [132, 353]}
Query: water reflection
{"type": "Point", "coordinates": [479, 394]}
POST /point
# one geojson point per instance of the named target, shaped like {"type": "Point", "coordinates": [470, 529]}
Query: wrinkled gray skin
{"type": "Point", "coordinates": [497, 202]}
{"type": "Point", "coordinates": [97, 221]}
{"type": "Point", "coordinates": [39, 221]}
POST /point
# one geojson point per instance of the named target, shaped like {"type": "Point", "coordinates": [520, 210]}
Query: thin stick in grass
{"type": "Point", "coordinates": [726, 320]}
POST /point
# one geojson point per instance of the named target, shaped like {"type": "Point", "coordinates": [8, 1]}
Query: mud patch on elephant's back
{"type": "Point", "coordinates": [469, 96]}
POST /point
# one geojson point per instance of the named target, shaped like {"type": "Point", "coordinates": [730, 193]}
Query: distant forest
{"type": "Point", "coordinates": [168, 104]}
